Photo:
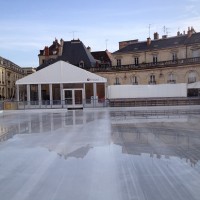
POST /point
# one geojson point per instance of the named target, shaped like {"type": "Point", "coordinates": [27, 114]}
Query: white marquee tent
{"type": "Point", "coordinates": [62, 82]}
{"type": "Point", "coordinates": [61, 72]}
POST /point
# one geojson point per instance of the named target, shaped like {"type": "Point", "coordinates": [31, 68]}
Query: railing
{"type": "Point", "coordinates": [1, 105]}
{"type": "Point", "coordinates": [154, 102]}
{"type": "Point", "coordinates": [152, 82]}
{"type": "Point", "coordinates": [88, 103]}
{"type": "Point", "coordinates": [151, 113]}
{"type": "Point", "coordinates": [171, 81]}
{"type": "Point", "coordinates": [142, 66]}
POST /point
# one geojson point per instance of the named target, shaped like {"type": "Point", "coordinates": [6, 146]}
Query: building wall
{"type": "Point", "coordinates": [181, 74]}
{"type": "Point", "coordinates": [177, 62]}
{"type": "Point", "coordinates": [147, 57]}
{"type": "Point", "coordinates": [9, 74]}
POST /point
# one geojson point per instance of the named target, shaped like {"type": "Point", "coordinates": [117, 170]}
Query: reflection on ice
{"type": "Point", "coordinates": [96, 154]}
{"type": "Point", "coordinates": [156, 136]}
{"type": "Point", "coordinates": [158, 141]}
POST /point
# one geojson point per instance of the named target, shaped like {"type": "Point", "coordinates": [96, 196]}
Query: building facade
{"type": "Point", "coordinates": [156, 61]}
{"type": "Point", "coordinates": [9, 74]}
{"type": "Point", "coordinates": [29, 70]}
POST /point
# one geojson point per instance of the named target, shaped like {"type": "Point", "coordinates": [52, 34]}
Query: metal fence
{"type": "Point", "coordinates": [88, 103]}
{"type": "Point", "coordinates": [22, 105]}
{"type": "Point", "coordinates": [154, 102]}
{"type": "Point", "coordinates": [1, 105]}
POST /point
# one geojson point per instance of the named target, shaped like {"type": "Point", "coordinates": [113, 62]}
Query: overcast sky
{"type": "Point", "coordinates": [28, 25]}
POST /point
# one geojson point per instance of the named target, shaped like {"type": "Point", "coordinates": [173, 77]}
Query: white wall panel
{"type": "Point", "coordinates": [147, 91]}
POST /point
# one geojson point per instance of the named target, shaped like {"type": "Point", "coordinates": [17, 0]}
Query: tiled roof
{"type": "Point", "coordinates": [101, 56]}
{"type": "Point", "coordinates": [74, 52]}
{"type": "Point", "coordinates": [161, 43]}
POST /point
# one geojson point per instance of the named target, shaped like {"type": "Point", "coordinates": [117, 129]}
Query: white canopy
{"type": "Point", "coordinates": [194, 85]}
{"type": "Point", "coordinates": [61, 72]}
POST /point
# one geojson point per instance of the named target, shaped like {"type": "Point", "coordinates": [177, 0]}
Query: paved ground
{"type": "Point", "coordinates": [94, 154]}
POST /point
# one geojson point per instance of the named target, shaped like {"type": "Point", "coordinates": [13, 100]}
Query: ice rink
{"type": "Point", "coordinates": [100, 154]}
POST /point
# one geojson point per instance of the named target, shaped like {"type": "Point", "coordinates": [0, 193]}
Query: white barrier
{"type": "Point", "coordinates": [147, 91]}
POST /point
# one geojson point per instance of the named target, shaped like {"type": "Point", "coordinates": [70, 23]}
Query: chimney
{"type": "Point", "coordinates": [89, 49]}
{"type": "Point", "coordinates": [189, 33]}
{"type": "Point", "coordinates": [164, 37]}
{"type": "Point", "coordinates": [61, 47]}
{"type": "Point", "coordinates": [61, 42]}
{"type": "Point", "coordinates": [46, 51]}
{"type": "Point", "coordinates": [148, 41]}
{"type": "Point", "coordinates": [156, 36]}
{"type": "Point", "coordinates": [192, 29]}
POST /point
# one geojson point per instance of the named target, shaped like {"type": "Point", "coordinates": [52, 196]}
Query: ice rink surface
{"type": "Point", "coordinates": [99, 154]}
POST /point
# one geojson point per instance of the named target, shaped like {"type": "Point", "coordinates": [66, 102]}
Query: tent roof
{"type": "Point", "coordinates": [194, 85]}
{"type": "Point", "coordinates": [61, 72]}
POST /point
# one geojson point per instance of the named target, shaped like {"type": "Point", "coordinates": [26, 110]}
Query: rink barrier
{"type": "Point", "coordinates": [47, 104]}
{"type": "Point", "coordinates": [95, 103]}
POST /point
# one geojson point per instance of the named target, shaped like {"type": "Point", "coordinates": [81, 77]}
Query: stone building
{"type": "Point", "coordinates": [29, 70]}
{"type": "Point", "coordinates": [156, 61]}
{"type": "Point", "coordinates": [9, 74]}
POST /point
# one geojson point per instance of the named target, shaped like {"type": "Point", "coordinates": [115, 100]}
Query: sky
{"type": "Point", "coordinates": [27, 26]}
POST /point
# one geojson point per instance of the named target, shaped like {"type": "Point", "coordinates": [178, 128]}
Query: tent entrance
{"type": "Point", "coordinates": [73, 98]}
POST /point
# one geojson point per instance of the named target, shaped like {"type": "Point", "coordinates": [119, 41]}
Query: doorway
{"type": "Point", "coordinates": [73, 98]}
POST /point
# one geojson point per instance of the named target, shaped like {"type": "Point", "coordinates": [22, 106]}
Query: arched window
{"type": "Point", "coordinates": [117, 82]}
{"type": "Point", "coordinates": [192, 77]}
{"type": "Point", "coordinates": [134, 80]}
{"type": "Point", "coordinates": [171, 78]}
{"type": "Point", "coordinates": [152, 79]}
{"type": "Point", "coordinates": [81, 64]}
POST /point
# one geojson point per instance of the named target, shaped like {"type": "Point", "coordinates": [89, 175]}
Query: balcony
{"type": "Point", "coordinates": [152, 82]}
{"type": "Point", "coordinates": [151, 65]}
{"type": "Point", "coordinates": [171, 81]}
{"type": "Point", "coordinates": [135, 83]}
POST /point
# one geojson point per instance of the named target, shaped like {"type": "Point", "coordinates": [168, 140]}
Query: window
{"type": "Point", "coordinates": [155, 59]}
{"type": "Point", "coordinates": [117, 81]}
{"type": "Point", "coordinates": [171, 78]}
{"type": "Point", "coordinates": [174, 57]}
{"type": "Point", "coordinates": [81, 64]}
{"type": "Point", "coordinates": [152, 79]}
{"type": "Point", "coordinates": [136, 61]}
{"type": "Point", "coordinates": [118, 62]}
{"type": "Point", "coordinates": [192, 77]}
{"type": "Point", "coordinates": [134, 80]}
